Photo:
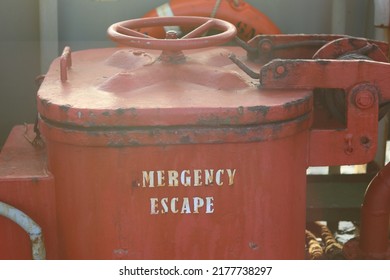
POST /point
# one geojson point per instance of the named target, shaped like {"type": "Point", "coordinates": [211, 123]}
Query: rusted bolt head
{"type": "Point", "coordinates": [364, 99]}
{"type": "Point", "coordinates": [280, 69]}
{"type": "Point", "coordinates": [265, 45]}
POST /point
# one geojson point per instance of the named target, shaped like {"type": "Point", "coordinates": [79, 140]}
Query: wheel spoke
{"type": "Point", "coordinates": [198, 32]}
{"type": "Point", "coordinates": [131, 32]}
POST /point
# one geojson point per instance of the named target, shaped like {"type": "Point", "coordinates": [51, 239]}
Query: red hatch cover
{"type": "Point", "coordinates": [121, 87]}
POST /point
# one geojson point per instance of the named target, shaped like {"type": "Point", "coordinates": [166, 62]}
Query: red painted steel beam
{"type": "Point", "coordinates": [375, 216]}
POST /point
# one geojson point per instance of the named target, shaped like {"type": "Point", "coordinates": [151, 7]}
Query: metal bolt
{"type": "Point", "coordinates": [171, 34]}
{"type": "Point", "coordinates": [265, 45]}
{"type": "Point", "coordinates": [365, 142]}
{"type": "Point", "coordinates": [280, 69]}
{"type": "Point", "coordinates": [364, 99]}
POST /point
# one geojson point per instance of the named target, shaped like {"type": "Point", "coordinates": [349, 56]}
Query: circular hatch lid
{"type": "Point", "coordinates": [120, 87]}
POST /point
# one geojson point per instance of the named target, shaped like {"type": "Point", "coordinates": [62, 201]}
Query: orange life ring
{"type": "Point", "coordinates": [248, 20]}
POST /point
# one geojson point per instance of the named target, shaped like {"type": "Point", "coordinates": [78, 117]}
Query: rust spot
{"type": "Point", "coordinates": [253, 246]}
{"type": "Point", "coordinates": [120, 111]}
{"type": "Point", "coordinates": [92, 133]}
{"type": "Point", "coordinates": [121, 144]}
{"type": "Point", "coordinates": [277, 127]}
{"type": "Point", "coordinates": [154, 132]}
{"type": "Point", "coordinates": [114, 145]}
{"type": "Point", "coordinates": [134, 143]}
{"type": "Point", "coordinates": [65, 108]}
{"type": "Point", "coordinates": [256, 139]}
{"type": "Point", "coordinates": [34, 180]}
{"type": "Point", "coordinates": [133, 111]}
{"type": "Point", "coordinates": [259, 109]}
{"type": "Point", "coordinates": [215, 120]}
{"type": "Point", "coordinates": [242, 131]}
{"type": "Point", "coordinates": [185, 139]}
{"type": "Point", "coordinates": [294, 103]}
{"type": "Point", "coordinates": [365, 142]}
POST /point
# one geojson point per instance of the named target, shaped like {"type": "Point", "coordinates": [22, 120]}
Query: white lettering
{"type": "Point", "coordinates": [209, 205]}
{"type": "Point", "coordinates": [186, 209]}
{"type": "Point", "coordinates": [197, 178]}
{"type": "Point", "coordinates": [198, 203]}
{"type": "Point", "coordinates": [187, 205]}
{"type": "Point", "coordinates": [148, 178]}
{"type": "Point", "coordinates": [185, 178]}
{"type": "Point", "coordinates": [209, 177]}
{"type": "Point", "coordinates": [231, 174]}
{"type": "Point", "coordinates": [153, 206]}
{"type": "Point", "coordinates": [164, 205]}
{"type": "Point", "coordinates": [173, 205]}
{"type": "Point", "coordinates": [160, 178]}
{"type": "Point", "coordinates": [218, 177]}
{"type": "Point", "coordinates": [172, 178]}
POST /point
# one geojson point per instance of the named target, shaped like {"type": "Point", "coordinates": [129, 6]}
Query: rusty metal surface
{"type": "Point", "coordinates": [168, 155]}
{"type": "Point", "coordinates": [342, 47]}
{"type": "Point", "coordinates": [121, 87]}
{"type": "Point", "coordinates": [174, 135]}
{"type": "Point", "coordinates": [365, 90]}
{"type": "Point", "coordinates": [195, 201]}
{"type": "Point", "coordinates": [26, 183]}
{"type": "Point", "coordinates": [264, 48]}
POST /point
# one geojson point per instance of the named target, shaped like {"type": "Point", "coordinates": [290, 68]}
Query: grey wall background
{"type": "Point", "coordinates": [19, 62]}
{"type": "Point", "coordinates": [82, 24]}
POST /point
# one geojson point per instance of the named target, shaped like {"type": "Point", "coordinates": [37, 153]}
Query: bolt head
{"type": "Point", "coordinates": [280, 69]}
{"type": "Point", "coordinates": [364, 99]}
{"type": "Point", "coordinates": [171, 34]}
{"type": "Point", "coordinates": [265, 45]}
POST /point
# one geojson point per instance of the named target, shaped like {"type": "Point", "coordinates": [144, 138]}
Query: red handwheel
{"type": "Point", "coordinates": [124, 33]}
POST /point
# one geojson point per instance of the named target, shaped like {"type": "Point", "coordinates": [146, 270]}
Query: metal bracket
{"type": "Point", "coordinates": [366, 85]}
